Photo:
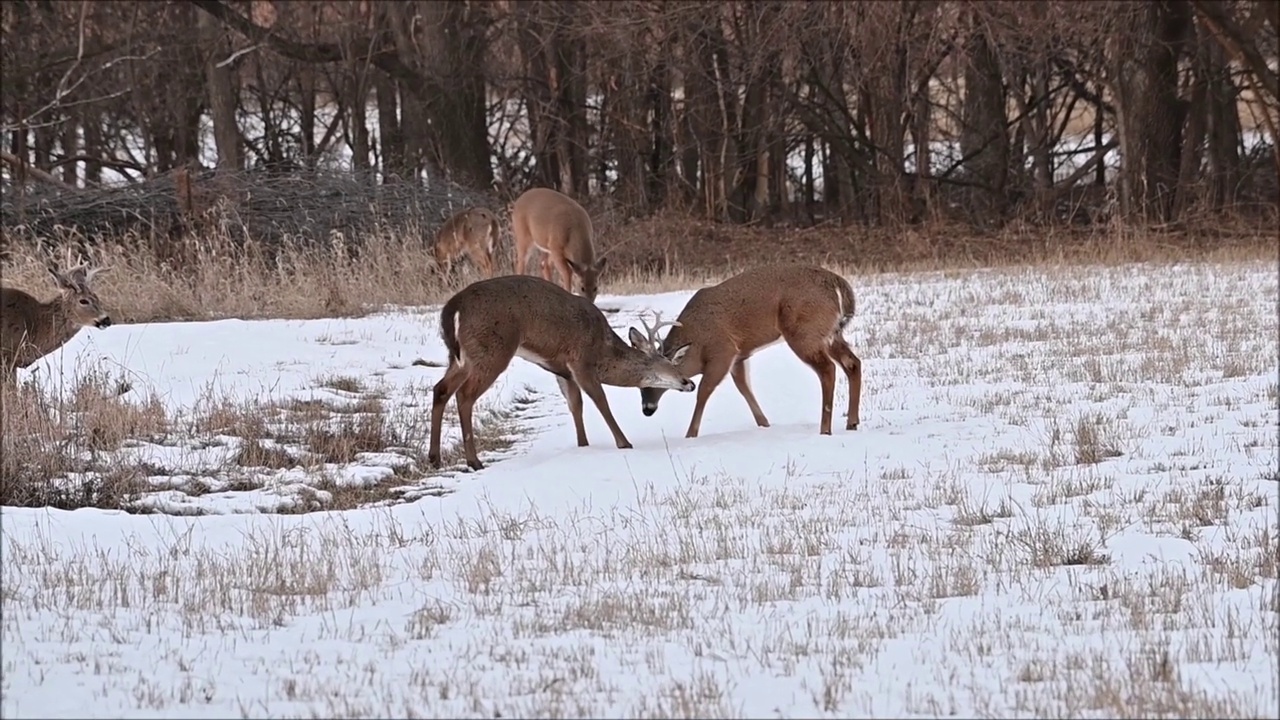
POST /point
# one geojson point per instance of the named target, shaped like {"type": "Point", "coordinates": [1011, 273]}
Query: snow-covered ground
{"type": "Point", "coordinates": [1061, 503]}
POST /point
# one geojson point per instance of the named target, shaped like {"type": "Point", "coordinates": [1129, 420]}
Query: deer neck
{"type": "Point", "coordinates": [54, 326]}
{"type": "Point", "coordinates": [621, 364]}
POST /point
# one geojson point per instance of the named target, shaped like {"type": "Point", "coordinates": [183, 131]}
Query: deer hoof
{"type": "Point", "coordinates": [762, 422]}
{"type": "Point", "coordinates": [624, 445]}
{"type": "Point", "coordinates": [851, 426]}
{"type": "Point", "coordinates": [434, 461]}
{"type": "Point", "coordinates": [475, 464]}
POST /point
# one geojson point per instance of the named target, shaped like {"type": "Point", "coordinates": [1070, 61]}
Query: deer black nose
{"type": "Point", "coordinates": [689, 386]}
{"type": "Point", "coordinates": [103, 323]}
{"type": "Point", "coordinates": [649, 410]}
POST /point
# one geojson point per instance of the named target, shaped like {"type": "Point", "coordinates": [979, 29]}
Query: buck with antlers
{"type": "Point", "coordinates": [489, 322]}
{"type": "Point", "coordinates": [560, 228]}
{"type": "Point", "coordinates": [723, 325]}
{"type": "Point", "coordinates": [473, 232]}
{"type": "Point", "coordinates": [31, 329]}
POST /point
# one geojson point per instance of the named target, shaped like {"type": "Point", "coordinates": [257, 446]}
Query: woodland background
{"type": "Point", "coordinates": [306, 119]}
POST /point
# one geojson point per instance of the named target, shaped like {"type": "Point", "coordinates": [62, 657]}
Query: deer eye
{"type": "Point", "coordinates": [84, 302]}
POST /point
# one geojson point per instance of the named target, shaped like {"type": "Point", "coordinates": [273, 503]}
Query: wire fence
{"type": "Point", "coordinates": [262, 207]}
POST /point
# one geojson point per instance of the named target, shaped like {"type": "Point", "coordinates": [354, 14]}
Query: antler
{"type": "Point", "coordinates": [658, 324]}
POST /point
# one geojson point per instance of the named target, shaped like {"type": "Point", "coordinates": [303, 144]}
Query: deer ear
{"type": "Point", "coordinates": [577, 269]}
{"type": "Point", "coordinates": [600, 263]}
{"type": "Point", "coordinates": [678, 355]}
{"type": "Point", "coordinates": [638, 340]}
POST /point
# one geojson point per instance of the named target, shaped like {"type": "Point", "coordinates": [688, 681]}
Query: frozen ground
{"type": "Point", "coordinates": [1061, 503]}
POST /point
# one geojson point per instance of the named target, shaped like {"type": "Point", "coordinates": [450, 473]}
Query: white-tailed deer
{"type": "Point", "coordinates": [474, 232]}
{"type": "Point", "coordinates": [31, 329]}
{"type": "Point", "coordinates": [560, 228]}
{"type": "Point", "coordinates": [489, 322]}
{"type": "Point", "coordinates": [723, 325]}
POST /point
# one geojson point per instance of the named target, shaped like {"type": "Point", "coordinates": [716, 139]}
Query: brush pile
{"type": "Point", "coordinates": [257, 206]}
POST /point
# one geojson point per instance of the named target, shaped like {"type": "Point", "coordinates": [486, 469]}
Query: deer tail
{"type": "Point", "coordinates": [844, 293]}
{"type": "Point", "coordinates": [449, 331]}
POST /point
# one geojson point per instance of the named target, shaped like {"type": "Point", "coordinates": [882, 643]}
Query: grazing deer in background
{"type": "Point", "coordinates": [491, 321]}
{"type": "Point", "coordinates": [31, 329]}
{"type": "Point", "coordinates": [558, 226]}
{"type": "Point", "coordinates": [473, 232]}
{"type": "Point", "coordinates": [723, 325]}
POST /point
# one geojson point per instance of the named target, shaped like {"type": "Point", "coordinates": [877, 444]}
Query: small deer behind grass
{"type": "Point", "coordinates": [560, 229]}
{"type": "Point", "coordinates": [723, 325]}
{"type": "Point", "coordinates": [489, 322]}
{"type": "Point", "coordinates": [31, 329]}
{"type": "Point", "coordinates": [474, 232]}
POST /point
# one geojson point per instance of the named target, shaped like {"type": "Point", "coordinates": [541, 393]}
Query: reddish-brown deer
{"type": "Point", "coordinates": [560, 229]}
{"type": "Point", "coordinates": [723, 325]}
{"type": "Point", "coordinates": [31, 329]}
{"type": "Point", "coordinates": [473, 232]}
{"type": "Point", "coordinates": [489, 322]}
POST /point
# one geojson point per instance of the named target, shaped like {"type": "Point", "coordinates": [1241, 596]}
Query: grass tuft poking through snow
{"type": "Point", "coordinates": [1061, 502]}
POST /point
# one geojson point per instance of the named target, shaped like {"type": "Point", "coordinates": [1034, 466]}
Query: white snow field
{"type": "Point", "coordinates": [1061, 502]}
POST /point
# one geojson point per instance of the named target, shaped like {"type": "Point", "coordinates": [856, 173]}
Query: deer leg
{"type": "Point", "coordinates": [522, 257]}
{"type": "Point", "coordinates": [826, 369]}
{"type": "Point", "coordinates": [485, 261]}
{"type": "Point", "coordinates": [440, 394]}
{"type": "Point", "coordinates": [595, 391]}
{"type": "Point", "coordinates": [471, 390]}
{"type": "Point", "coordinates": [852, 366]}
{"type": "Point", "coordinates": [712, 374]}
{"type": "Point", "coordinates": [739, 374]}
{"type": "Point", "coordinates": [573, 394]}
{"type": "Point", "coordinates": [546, 267]}
{"type": "Point", "coordinates": [566, 273]}
{"type": "Point", "coordinates": [466, 402]}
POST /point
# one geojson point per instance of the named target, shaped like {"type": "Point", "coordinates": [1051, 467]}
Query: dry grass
{"type": "Point", "coordinates": [94, 446]}
{"type": "Point", "coordinates": [215, 277]}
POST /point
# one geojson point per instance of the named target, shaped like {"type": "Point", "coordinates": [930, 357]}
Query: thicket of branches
{"type": "Point", "coordinates": [875, 113]}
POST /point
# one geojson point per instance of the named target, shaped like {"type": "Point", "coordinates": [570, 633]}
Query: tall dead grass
{"type": "Point", "coordinates": [217, 275]}
{"type": "Point", "coordinates": [103, 445]}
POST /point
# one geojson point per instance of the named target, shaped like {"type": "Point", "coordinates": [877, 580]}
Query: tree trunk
{"type": "Point", "coordinates": [307, 115]}
{"type": "Point", "coordinates": [390, 136]}
{"type": "Point", "coordinates": [70, 146]}
{"type": "Point", "coordinates": [984, 140]}
{"type": "Point", "coordinates": [220, 87]}
{"type": "Point", "coordinates": [451, 57]}
{"type": "Point", "coordinates": [356, 122]}
{"type": "Point", "coordinates": [1223, 131]}
{"type": "Point", "coordinates": [539, 109]}
{"type": "Point", "coordinates": [93, 148]}
{"type": "Point", "coordinates": [1145, 52]}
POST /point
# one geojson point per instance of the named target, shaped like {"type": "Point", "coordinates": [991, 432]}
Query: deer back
{"type": "Point", "coordinates": [756, 307]}
{"type": "Point", "coordinates": [522, 311]}
{"type": "Point", "coordinates": [476, 226]}
{"type": "Point", "coordinates": [555, 222]}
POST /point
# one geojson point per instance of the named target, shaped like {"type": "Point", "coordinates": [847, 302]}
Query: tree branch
{"type": "Point", "coordinates": [1235, 41]}
{"type": "Point", "coordinates": [34, 173]}
{"type": "Point", "coordinates": [384, 59]}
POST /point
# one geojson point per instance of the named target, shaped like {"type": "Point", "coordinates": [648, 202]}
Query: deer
{"type": "Point", "coordinates": [31, 329]}
{"type": "Point", "coordinates": [722, 326]}
{"type": "Point", "coordinates": [489, 322]}
{"type": "Point", "coordinates": [561, 229]}
{"type": "Point", "coordinates": [473, 232]}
